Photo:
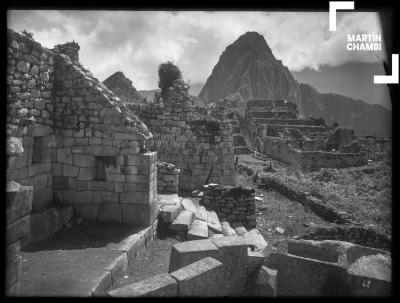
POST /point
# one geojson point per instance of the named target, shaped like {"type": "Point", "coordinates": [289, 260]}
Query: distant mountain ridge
{"type": "Point", "coordinates": [247, 69]}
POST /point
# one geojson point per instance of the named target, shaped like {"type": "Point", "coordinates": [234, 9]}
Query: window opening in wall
{"type": "Point", "coordinates": [102, 163]}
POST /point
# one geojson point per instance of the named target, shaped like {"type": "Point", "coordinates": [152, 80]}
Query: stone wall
{"type": "Point", "coordinates": [167, 178]}
{"type": "Point", "coordinates": [234, 204]}
{"type": "Point", "coordinates": [79, 144]}
{"type": "Point", "coordinates": [30, 107]}
{"type": "Point", "coordinates": [195, 143]}
{"type": "Point", "coordinates": [18, 206]}
{"type": "Point", "coordinates": [280, 150]}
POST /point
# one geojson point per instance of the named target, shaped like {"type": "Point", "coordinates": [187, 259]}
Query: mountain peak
{"type": "Point", "coordinates": [121, 86]}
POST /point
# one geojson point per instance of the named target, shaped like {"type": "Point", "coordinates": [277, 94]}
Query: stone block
{"type": "Point", "coordinates": [263, 284]}
{"type": "Point", "coordinates": [298, 276]}
{"type": "Point", "coordinates": [11, 251]}
{"type": "Point", "coordinates": [64, 155]}
{"type": "Point", "coordinates": [70, 171]}
{"type": "Point", "coordinates": [13, 271]}
{"type": "Point", "coordinates": [213, 222]}
{"type": "Point", "coordinates": [19, 203]}
{"type": "Point", "coordinates": [84, 160]}
{"type": "Point", "coordinates": [38, 130]}
{"type": "Point", "coordinates": [87, 211]}
{"type": "Point", "coordinates": [182, 221]}
{"type": "Point", "coordinates": [109, 212]}
{"type": "Point", "coordinates": [135, 197]}
{"type": "Point", "coordinates": [162, 285]}
{"type": "Point", "coordinates": [201, 213]}
{"type": "Point", "coordinates": [254, 261]}
{"type": "Point", "coordinates": [185, 253]}
{"type": "Point", "coordinates": [227, 230]}
{"type": "Point", "coordinates": [87, 173]}
{"type": "Point", "coordinates": [17, 230]}
{"type": "Point", "coordinates": [202, 278]}
{"type": "Point", "coordinates": [14, 146]}
{"type": "Point", "coordinates": [198, 230]}
{"type": "Point", "coordinates": [74, 197]}
{"type": "Point", "coordinates": [111, 177]}
{"type": "Point", "coordinates": [255, 240]}
{"type": "Point", "coordinates": [168, 199]}
{"type": "Point", "coordinates": [42, 197]}
{"type": "Point", "coordinates": [140, 214]}
{"type": "Point", "coordinates": [232, 252]}
{"type": "Point", "coordinates": [170, 212]}
{"type": "Point", "coordinates": [188, 204]}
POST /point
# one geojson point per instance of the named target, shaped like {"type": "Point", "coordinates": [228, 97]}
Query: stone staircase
{"type": "Point", "coordinates": [187, 220]}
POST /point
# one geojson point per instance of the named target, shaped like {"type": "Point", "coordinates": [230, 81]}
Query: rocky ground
{"type": "Point", "coordinates": [363, 192]}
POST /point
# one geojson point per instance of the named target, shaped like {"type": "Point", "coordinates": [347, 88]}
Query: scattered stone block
{"type": "Point", "coordinates": [227, 230]}
{"type": "Point", "coordinates": [170, 212]}
{"type": "Point", "coordinates": [198, 230]}
{"type": "Point", "coordinates": [213, 222]}
{"type": "Point", "coordinates": [255, 240]}
{"type": "Point", "coordinates": [158, 286]}
{"type": "Point", "coordinates": [232, 252]}
{"type": "Point", "coordinates": [188, 252]}
{"type": "Point", "coordinates": [188, 204]}
{"type": "Point", "coordinates": [182, 221]}
{"type": "Point", "coordinates": [203, 278]}
{"type": "Point", "coordinates": [201, 213]}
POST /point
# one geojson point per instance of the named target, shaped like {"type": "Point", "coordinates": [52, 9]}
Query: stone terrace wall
{"type": "Point", "coordinates": [234, 204]}
{"type": "Point", "coordinates": [80, 145]}
{"type": "Point", "coordinates": [191, 141]}
{"type": "Point", "coordinates": [279, 149]}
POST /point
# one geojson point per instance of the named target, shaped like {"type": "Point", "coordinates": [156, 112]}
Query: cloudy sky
{"type": "Point", "coordinates": [137, 42]}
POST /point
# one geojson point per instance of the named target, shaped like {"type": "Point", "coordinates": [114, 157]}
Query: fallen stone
{"type": "Point", "coordinates": [182, 221]}
{"type": "Point", "coordinates": [201, 213]}
{"type": "Point", "coordinates": [168, 199]}
{"type": "Point", "coordinates": [170, 212]}
{"type": "Point", "coordinates": [188, 204]}
{"type": "Point", "coordinates": [280, 230]}
{"type": "Point", "coordinates": [202, 278]}
{"type": "Point", "coordinates": [227, 230]}
{"type": "Point", "coordinates": [198, 230]}
{"type": "Point", "coordinates": [255, 240]}
{"type": "Point", "coordinates": [213, 222]}
{"type": "Point", "coordinates": [158, 286]}
{"type": "Point", "coordinates": [184, 253]}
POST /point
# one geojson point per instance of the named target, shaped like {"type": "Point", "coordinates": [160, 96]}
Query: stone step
{"type": "Point", "coordinates": [182, 222]}
{"type": "Point", "coordinates": [201, 213]}
{"type": "Point", "coordinates": [227, 230]}
{"type": "Point", "coordinates": [213, 222]}
{"type": "Point", "coordinates": [198, 230]}
{"type": "Point", "coordinates": [169, 212]}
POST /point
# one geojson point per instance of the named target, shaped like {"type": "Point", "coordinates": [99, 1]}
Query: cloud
{"type": "Point", "coordinates": [136, 42]}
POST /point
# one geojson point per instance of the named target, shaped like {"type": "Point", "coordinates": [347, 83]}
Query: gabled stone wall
{"type": "Point", "coordinates": [79, 144]}
{"type": "Point", "coordinates": [192, 141]}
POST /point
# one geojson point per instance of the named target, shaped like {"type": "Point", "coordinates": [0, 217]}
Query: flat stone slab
{"type": "Point", "coordinates": [188, 204]}
{"type": "Point", "coordinates": [158, 286]}
{"type": "Point", "coordinates": [201, 213]}
{"type": "Point", "coordinates": [213, 222]}
{"type": "Point", "coordinates": [198, 230]}
{"type": "Point", "coordinates": [227, 230]}
{"type": "Point", "coordinates": [255, 240]}
{"type": "Point", "coordinates": [202, 278]}
{"type": "Point", "coordinates": [170, 212]}
{"type": "Point", "coordinates": [168, 199]}
{"type": "Point", "coordinates": [182, 221]}
{"type": "Point", "coordinates": [184, 253]}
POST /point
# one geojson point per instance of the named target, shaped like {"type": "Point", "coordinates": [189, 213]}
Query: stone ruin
{"type": "Point", "coordinates": [74, 149]}
{"type": "Point", "coordinates": [278, 131]}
